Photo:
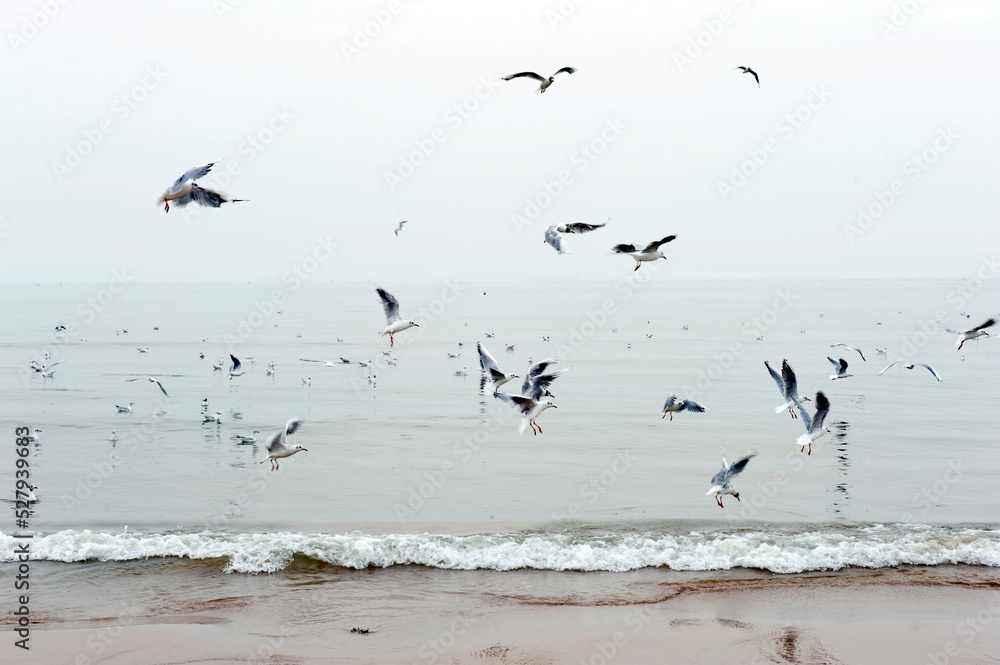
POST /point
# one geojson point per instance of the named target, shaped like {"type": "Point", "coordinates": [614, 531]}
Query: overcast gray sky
{"type": "Point", "coordinates": [339, 119]}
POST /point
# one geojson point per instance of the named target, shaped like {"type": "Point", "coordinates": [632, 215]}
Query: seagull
{"type": "Point", "coordinates": [978, 331]}
{"type": "Point", "coordinates": [840, 368]}
{"type": "Point", "coordinates": [462, 372]}
{"type": "Point", "coordinates": [247, 439]}
{"type": "Point", "coordinates": [114, 436]}
{"type": "Point", "coordinates": [747, 70]}
{"type": "Point", "coordinates": [814, 424]}
{"type": "Point", "coordinates": [673, 405]}
{"type": "Point", "coordinates": [911, 366]}
{"type": "Point", "coordinates": [490, 367]}
{"type": "Point", "coordinates": [720, 481]}
{"type": "Point", "coordinates": [546, 82]}
{"type": "Point", "coordinates": [125, 409]}
{"type": "Point", "coordinates": [553, 237]}
{"type": "Point", "coordinates": [277, 443]}
{"type": "Point", "coordinates": [212, 418]}
{"type": "Point", "coordinates": [537, 381]}
{"type": "Point", "coordinates": [30, 494]}
{"type": "Point", "coordinates": [787, 385]}
{"type": "Point", "coordinates": [204, 404]}
{"type": "Point", "coordinates": [162, 389]}
{"type": "Point", "coordinates": [394, 323]}
{"type": "Point", "coordinates": [849, 348]}
{"type": "Point", "coordinates": [307, 381]}
{"type": "Point", "coordinates": [49, 372]}
{"type": "Point", "coordinates": [185, 190]}
{"type": "Point", "coordinates": [529, 407]}
{"type": "Point", "coordinates": [236, 369]}
{"type": "Point", "coordinates": [34, 436]}
{"type": "Point", "coordinates": [400, 227]}
{"type": "Point", "coordinates": [650, 252]}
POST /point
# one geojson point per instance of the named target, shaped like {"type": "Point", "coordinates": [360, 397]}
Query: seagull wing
{"type": "Point", "coordinates": [205, 197]}
{"type": "Point", "coordinates": [553, 238]}
{"type": "Point", "coordinates": [655, 245]}
{"type": "Point", "coordinates": [691, 405]}
{"type": "Point", "coordinates": [540, 384]}
{"type": "Point", "coordinates": [390, 304]}
{"type": "Point", "coordinates": [486, 362]}
{"type": "Point", "coordinates": [788, 379]}
{"type": "Point", "coordinates": [777, 379]}
{"type": "Point", "coordinates": [237, 365]}
{"type": "Point", "coordinates": [670, 402]}
{"type": "Point", "coordinates": [292, 425]}
{"type": "Point", "coordinates": [519, 402]}
{"type": "Point", "coordinates": [160, 385]}
{"type": "Point", "coordinates": [843, 366]}
{"type": "Point", "coordinates": [822, 408]}
{"type": "Point", "coordinates": [568, 70]}
{"type": "Point", "coordinates": [756, 78]}
{"type": "Point", "coordinates": [804, 415]}
{"type": "Point", "coordinates": [623, 249]}
{"type": "Point", "coordinates": [737, 467]}
{"type": "Point", "coordinates": [989, 322]}
{"type": "Point", "coordinates": [528, 74]}
{"type": "Point", "coordinates": [895, 362]}
{"type": "Point", "coordinates": [192, 174]}
{"type": "Point", "coordinates": [582, 227]}
{"type": "Point", "coordinates": [836, 365]}
{"type": "Point", "coordinates": [931, 370]}
{"type": "Point", "coordinates": [535, 370]}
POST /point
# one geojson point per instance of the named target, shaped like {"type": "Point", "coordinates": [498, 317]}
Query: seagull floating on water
{"type": "Point", "coordinates": [849, 348]}
{"type": "Point", "coordinates": [747, 70]}
{"type": "Point", "coordinates": [34, 436]}
{"type": "Point", "coordinates": [546, 82]}
{"type": "Point", "coordinates": [840, 368]}
{"type": "Point", "coordinates": [114, 436]}
{"type": "Point", "coordinates": [277, 443]}
{"type": "Point", "coordinates": [673, 405]}
{"type": "Point", "coordinates": [978, 331]}
{"type": "Point", "coordinates": [489, 365]}
{"type": "Point", "coordinates": [247, 439]}
{"type": "Point", "coordinates": [185, 190]}
{"type": "Point", "coordinates": [911, 366]}
{"type": "Point", "coordinates": [814, 423]}
{"type": "Point", "coordinates": [788, 386]}
{"type": "Point", "coordinates": [160, 385]}
{"type": "Point", "coordinates": [650, 252]}
{"type": "Point", "coordinates": [553, 237]}
{"type": "Point", "coordinates": [212, 417]}
{"type": "Point", "coordinates": [125, 409]}
{"type": "Point", "coordinates": [394, 323]}
{"type": "Point", "coordinates": [721, 481]}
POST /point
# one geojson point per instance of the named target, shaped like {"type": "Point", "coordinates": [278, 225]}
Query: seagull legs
{"type": "Point", "coordinates": [391, 341]}
{"type": "Point", "coordinates": [791, 413]}
{"type": "Point", "coordinates": [533, 426]}
{"type": "Point", "coordinates": [166, 206]}
{"type": "Point", "coordinates": [637, 264]}
{"type": "Point", "coordinates": [718, 500]}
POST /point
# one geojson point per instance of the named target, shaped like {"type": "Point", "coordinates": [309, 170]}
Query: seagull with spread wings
{"type": "Point", "coordinates": [393, 322]}
{"type": "Point", "coordinates": [159, 385]}
{"type": "Point", "coordinates": [788, 385]}
{"type": "Point", "coordinates": [650, 252]}
{"type": "Point", "coordinates": [721, 481]}
{"type": "Point", "coordinates": [747, 70]}
{"type": "Point", "coordinates": [911, 366]}
{"type": "Point", "coordinates": [546, 82]}
{"type": "Point", "coordinates": [978, 331]}
{"type": "Point", "coordinates": [553, 233]}
{"type": "Point", "coordinates": [840, 368]}
{"type": "Point", "coordinates": [277, 443]}
{"type": "Point", "coordinates": [674, 405]}
{"type": "Point", "coordinates": [185, 190]}
{"type": "Point", "coordinates": [490, 367]}
{"type": "Point", "coordinates": [850, 348]}
{"type": "Point", "coordinates": [814, 423]}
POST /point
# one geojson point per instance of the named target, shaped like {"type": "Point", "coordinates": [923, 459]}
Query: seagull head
{"type": "Point", "coordinates": [414, 324]}
{"type": "Point", "coordinates": [298, 448]}
{"type": "Point", "coordinates": [737, 495]}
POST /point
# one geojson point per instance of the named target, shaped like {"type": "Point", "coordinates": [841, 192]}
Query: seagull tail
{"type": "Point", "coordinates": [523, 426]}
{"type": "Point", "coordinates": [786, 405]}
{"type": "Point", "coordinates": [803, 440]}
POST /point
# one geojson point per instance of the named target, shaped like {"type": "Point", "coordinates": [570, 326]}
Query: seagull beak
{"type": "Point", "coordinates": [554, 406]}
{"type": "Point", "coordinates": [737, 495]}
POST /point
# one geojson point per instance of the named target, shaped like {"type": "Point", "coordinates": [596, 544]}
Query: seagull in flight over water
{"type": "Point", "coordinates": [236, 369]}
{"type": "Point", "coordinates": [160, 385]}
{"type": "Point", "coordinates": [489, 365]}
{"type": "Point", "coordinates": [672, 404]}
{"type": "Point", "coordinates": [788, 386]}
{"type": "Point", "coordinates": [650, 252]}
{"type": "Point", "coordinates": [850, 348]}
{"type": "Point", "coordinates": [840, 368]}
{"type": "Point", "coordinates": [553, 237]}
{"type": "Point", "coordinates": [277, 443]}
{"type": "Point", "coordinates": [400, 227]}
{"type": "Point", "coordinates": [911, 366]}
{"type": "Point", "coordinates": [747, 70]}
{"type": "Point", "coordinates": [814, 424]}
{"type": "Point", "coordinates": [546, 82]}
{"type": "Point", "coordinates": [978, 331]}
{"type": "Point", "coordinates": [185, 190]}
{"type": "Point", "coordinates": [721, 481]}
{"type": "Point", "coordinates": [394, 323]}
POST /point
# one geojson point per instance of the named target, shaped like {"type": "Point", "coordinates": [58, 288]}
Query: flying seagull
{"type": "Point", "coordinates": [277, 443]}
{"type": "Point", "coordinates": [185, 190]}
{"type": "Point", "coordinates": [236, 369]}
{"type": "Point", "coordinates": [394, 323]}
{"type": "Point", "coordinates": [672, 404]}
{"type": "Point", "coordinates": [492, 369]}
{"type": "Point", "coordinates": [553, 237]}
{"type": "Point", "coordinates": [788, 386]}
{"type": "Point", "coordinates": [160, 385]}
{"type": "Point", "coordinates": [978, 331]}
{"type": "Point", "coordinates": [840, 368]}
{"type": "Point", "coordinates": [849, 348]}
{"type": "Point", "coordinates": [721, 481]}
{"type": "Point", "coordinates": [814, 424]}
{"type": "Point", "coordinates": [911, 366]}
{"type": "Point", "coordinates": [747, 70]}
{"type": "Point", "coordinates": [400, 227]}
{"type": "Point", "coordinates": [537, 380]}
{"type": "Point", "coordinates": [529, 408]}
{"type": "Point", "coordinates": [650, 252]}
{"type": "Point", "coordinates": [546, 82]}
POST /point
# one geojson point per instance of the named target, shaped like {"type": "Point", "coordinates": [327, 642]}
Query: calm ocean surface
{"type": "Point", "coordinates": [421, 466]}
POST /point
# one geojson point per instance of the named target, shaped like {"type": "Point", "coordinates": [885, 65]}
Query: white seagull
{"type": "Point", "coordinates": [114, 436]}
{"type": "Point", "coordinates": [211, 418]}
{"type": "Point", "coordinates": [673, 404]}
{"type": "Point", "coordinates": [529, 408]}
{"type": "Point", "coordinates": [125, 409]}
{"type": "Point", "coordinates": [400, 227]}
{"type": "Point", "coordinates": [849, 348]}
{"type": "Point", "coordinates": [277, 443]}
{"type": "Point", "coordinates": [185, 190]}
{"type": "Point", "coordinates": [721, 481]}
{"type": "Point", "coordinates": [34, 436]}
{"type": "Point", "coordinates": [247, 439]}
{"type": "Point", "coordinates": [553, 237]}
{"type": "Point", "coordinates": [546, 82]}
{"type": "Point", "coordinates": [911, 366]}
{"type": "Point", "coordinates": [394, 323]}
{"type": "Point", "coordinates": [44, 369]}
{"type": "Point", "coordinates": [840, 368]}
{"type": "Point", "coordinates": [978, 331]}
{"type": "Point", "coordinates": [236, 369]}
{"type": "Point", "coordinates": [537, 380]}
{"type": "Point", "coordinates": [160, 385]}
{"type": "Point", "coordinates": [814, 424]}
{"type": "Point", "coordinates": [29, 495]}
{"type": "Point", "coordinates": [650, 252]}
{"type": "Point", "coordinates": [788, 386]}
{"type": "Point", "coordinates": [490, 367]}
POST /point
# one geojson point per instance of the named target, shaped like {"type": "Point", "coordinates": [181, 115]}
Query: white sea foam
{"type": "Point", "coordinates": [831, 548]}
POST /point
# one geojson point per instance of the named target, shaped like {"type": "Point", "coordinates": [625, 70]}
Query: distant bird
{"type": "Point", "coordinates": [400, 227]}
{"type": "Point", "coordinates": [160, 385]}
{"type": "Point", "coordinates": [529, 408]}
{"type": "Point", "coordinates": [462, 372]}
{"type": "Point", "coordinates": [114, 436]}
{"type": "Point", "coordinates": [849, 348]}
{"type": "Point", "coordinates": [185, 190]}
{"type": "Point", "coordinates": [747, 70]}
{"type": "Point", "coordinates": [394, 323]}
{"type": "Point", "coordinates": [788, 386]}
{"type": "Point", "coordinates": [236, 369]}
{"type": "Point", "coordinates": [277, 443]}
{"type": "Point", "coordinates": [44, 369]}
{"type": "Point", "coordinates": [125, 409]}
{"type": "Point", "coordinates": [489, 335]}
{"type": "Point", "coordinates": [204, 404]}
{"type": "Point", "coordinates": [650, 252]}
{"type": "Point", "coordinates": [546, 82]}
{"type": "Point", "coordinates": [911, 366]}
{"type": "Point", "coordinates": [212, 417]}
{"type": "Point", "coordinates": [49, 371]}
{"type": "Point", "coordinates": [673, 405]}
{"type": "Point", "coordinates": [814, 423]}
{"type": "Point", "coordinates": [307, 381]}
{"type": "Point", "coordinates": [840, 368]}
{"type": "Point", "coordinates": [553, 237]}
{"type": "Point", "coordinates": [490, 367]}
{"type": "Point", "coordinates": [142, 350]}
{"type": "Point", "coordinates": [721, 481]}
{"type": "Point", "coordinates": [29, 495]}
{"type": "Point", "coordinates": [247, 439]}
{"type": "Point", "coordinates": [510, 347]}
{"type": "Point", "coordinates": [978, 331]}
{"type": "Point", "coordinates": [34, 436]}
